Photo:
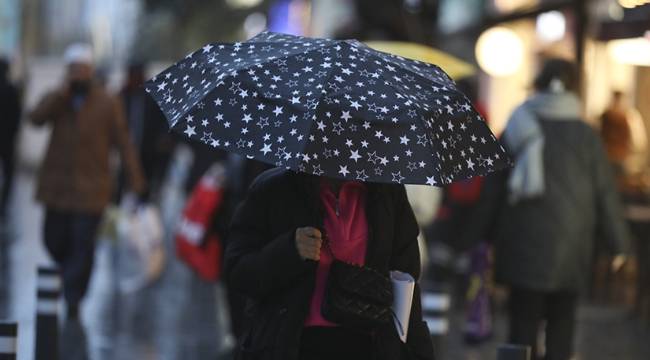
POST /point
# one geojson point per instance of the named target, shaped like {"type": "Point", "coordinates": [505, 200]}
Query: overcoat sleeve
{"type": "Point", "coordinates": [50, 108]}
{"type": "Point", "coordinates": [256, 262]}
{"type": "Point", "coordinates": [610, 221]}
{"type": "Point", "coordinates": [406, 258]}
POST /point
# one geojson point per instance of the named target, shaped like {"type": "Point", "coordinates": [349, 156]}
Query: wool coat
{"type": "Point", "coordinates": [546, 243]}
{"type": "Point", "coordinates": [75, 175]}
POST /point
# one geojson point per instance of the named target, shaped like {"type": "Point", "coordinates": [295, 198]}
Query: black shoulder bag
{"type": "Point", "coordinates": [356, 295]}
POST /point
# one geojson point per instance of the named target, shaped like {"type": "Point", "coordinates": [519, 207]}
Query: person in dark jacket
{"type": "Point", "coordinates": [276, 257]}
{"type": "Point", "coordinates": [545, 214]}
{"type": "Point", "coordinates": [149, 131]}
{"type": "Point", "coordinates": [10, 110]}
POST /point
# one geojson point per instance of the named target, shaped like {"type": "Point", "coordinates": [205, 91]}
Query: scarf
{"type": "Point", "coordinates": [525, 139]}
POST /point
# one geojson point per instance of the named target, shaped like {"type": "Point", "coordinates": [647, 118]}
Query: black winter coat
{"type": "Point", "coordinates": [547, 243]}
{"type": "Point", "coordinates": [262, 262]}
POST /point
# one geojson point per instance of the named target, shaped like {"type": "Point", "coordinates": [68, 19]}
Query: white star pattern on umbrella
{"type": "Point", "coordinates": [330, 108]}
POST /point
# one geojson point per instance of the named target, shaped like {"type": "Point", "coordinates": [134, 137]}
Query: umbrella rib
{"type": "Point", "coordinates": [320, 98]}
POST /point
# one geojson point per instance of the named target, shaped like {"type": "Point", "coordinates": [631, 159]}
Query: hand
{"type": "Point", "coordinates": [308, 243]}
{"type": "Point", "coordinates": [618, 262]}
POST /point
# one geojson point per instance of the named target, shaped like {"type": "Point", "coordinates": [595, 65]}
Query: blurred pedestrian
{"type": "Point", "coordinates": [545, 214]}
{"type": "Point", "coordinates": [10, 109]}
{"type": "Point", "coordinates": [625, 138]}
{"type": "Point", "coordinates": [74, 182]}
{"type": "Point", "coordinates": [148, 128]}
{"type": "Point", "coordinates": [283, 239]}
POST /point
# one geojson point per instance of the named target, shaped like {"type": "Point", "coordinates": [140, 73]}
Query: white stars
{"type": "Point", "coordinates": [243, 94]}
{"type": "Point", "coordinates": [355, 155]}
{"type": "Point", "coordinates": [207, 48]}
{"type": "Point", "coordinates": [431, 181]}
{"type": "Point", "coordinates": [218, 102]}
{"type": "Point", "coordinates": [361, 175]}
{"type": "Point", "coordinates": [266, 149]}
{"type": "Point", "coordinates": [247, 118]}
{"type": "Point", "coordinates": [162, 86]}
{"type": "Point", "coordinates": [295, 100]}
{"type": "Point", "coordinates": [278, 110]}
{"type": "Point", "coordinates": [316, 170]}
{"type": "Point", "coordinates": [345, 115]}
{"type": "Point", "coordinates": [343, 170]}
{"type": "Point", "coordinates": [470, 164]}
{"type": "Point", "coordinates": [404, 140]}
{"type": "Point", "coordinates": [321, 125]}
{"type": "Point", "coordinates": [190, 131]}
{"type": "Point", "coordinates": [355, 105]}
{"type": "Point", "coordinates": [397, 177]}
{"type": "Point", "coordinates": [338, 128]}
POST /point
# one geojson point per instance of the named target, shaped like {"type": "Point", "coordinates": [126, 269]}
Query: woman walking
{"type": "Point", "coordinates": [279, 258]}
{"type": "Point", "coordinates": [545, 214]}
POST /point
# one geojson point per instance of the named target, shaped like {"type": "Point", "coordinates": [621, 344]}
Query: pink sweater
{"type": "Point", "coordinates": [347, 230]}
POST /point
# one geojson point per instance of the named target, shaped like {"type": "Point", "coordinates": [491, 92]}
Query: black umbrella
{"type": "Point", "coordinates": [328, 107]}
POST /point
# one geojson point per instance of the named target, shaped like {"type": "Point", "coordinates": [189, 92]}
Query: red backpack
{"type": "Point", "coordinates": [196, 245]}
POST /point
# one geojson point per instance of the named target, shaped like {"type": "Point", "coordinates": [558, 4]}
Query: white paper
{"type": "Point", "coordinates": [403, 288]}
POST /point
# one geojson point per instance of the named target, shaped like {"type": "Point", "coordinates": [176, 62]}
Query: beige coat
{"type": "Point", "coordinates": [75, 175]}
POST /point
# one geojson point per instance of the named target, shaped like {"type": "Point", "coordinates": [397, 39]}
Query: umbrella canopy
{"type": "Point", "coordinates": [453, 66]}
{"type": "Point", "coordinates": [329, 108]}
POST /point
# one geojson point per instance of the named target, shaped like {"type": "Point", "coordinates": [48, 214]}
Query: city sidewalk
{"type": "Point", "coordinates": [176, 317]}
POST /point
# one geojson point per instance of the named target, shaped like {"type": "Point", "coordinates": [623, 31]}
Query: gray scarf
{"type": "Point", "coordinates": [525, 139]}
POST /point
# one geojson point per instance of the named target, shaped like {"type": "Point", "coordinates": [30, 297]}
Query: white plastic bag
{"type": "Point", "coordinates": [141, 253]}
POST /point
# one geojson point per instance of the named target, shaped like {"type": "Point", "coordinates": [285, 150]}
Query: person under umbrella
{"type": "Point", "coordinates": [312, 244]}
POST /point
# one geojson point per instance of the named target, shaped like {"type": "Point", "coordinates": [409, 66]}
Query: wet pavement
{"type": "Point", "coordinates": [178, 316]}
{"type": "Point", "coordinates": [175, 317]}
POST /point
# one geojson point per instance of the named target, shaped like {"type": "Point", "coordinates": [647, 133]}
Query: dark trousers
{"type": "Point", "coordinates": [529, 308]}
{"type": "Point", "coordinates": [338, 343]}
{"type": "Point", "coordinates": [7, 159]}
{"type": "Point", "coordinates": [70, 240]}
